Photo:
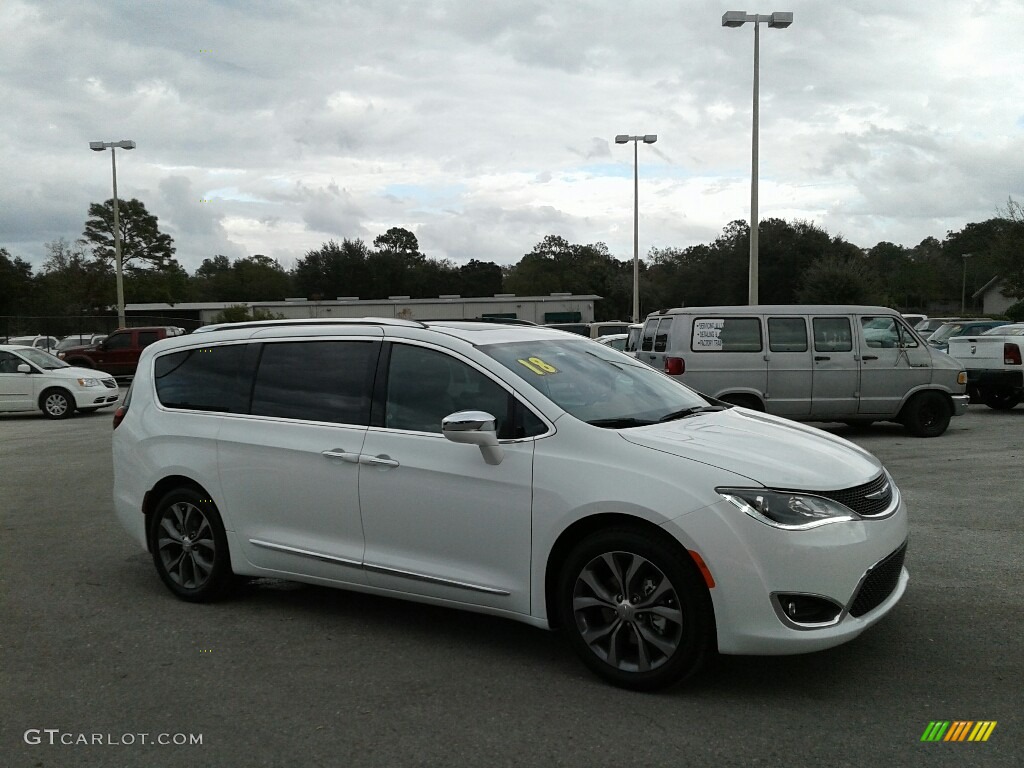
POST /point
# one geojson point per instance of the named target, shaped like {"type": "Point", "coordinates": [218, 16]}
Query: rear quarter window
{"type": "Point", "coordinates": [201, 379]}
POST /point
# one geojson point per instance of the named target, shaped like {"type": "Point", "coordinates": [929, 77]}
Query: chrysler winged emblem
{"type": "Point", "coordinates": [880, 493]}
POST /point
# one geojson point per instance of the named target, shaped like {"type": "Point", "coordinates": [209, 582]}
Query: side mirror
{"type": "Point", "coordinates": [474, 428]}
{"type": "Point", "coordinates": [24, 368]}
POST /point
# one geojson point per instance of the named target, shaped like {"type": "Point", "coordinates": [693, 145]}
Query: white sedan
{"type": "Point", "coordinates": [33, 380]}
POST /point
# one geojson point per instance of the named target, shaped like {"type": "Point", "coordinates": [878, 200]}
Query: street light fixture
{"type": "Point", "coordinates": [649, 138]}
{"type": "Point", "coordinates": [963, 289]}
{"type": "Point", "coordinates": [99, 146]}
{"type": "Point", "coordinates": [778, 20]}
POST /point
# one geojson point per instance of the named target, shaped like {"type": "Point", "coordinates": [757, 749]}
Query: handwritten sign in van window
{"type": "Point", "coordinates": [707, 334]}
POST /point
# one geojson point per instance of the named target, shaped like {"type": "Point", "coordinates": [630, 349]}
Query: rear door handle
{"type": "Point", "coordinates": [341, 453]}
{"type": "Point", "coordinates": [383, 460]}
{"type": "Point", "coordinates": [822, 357]}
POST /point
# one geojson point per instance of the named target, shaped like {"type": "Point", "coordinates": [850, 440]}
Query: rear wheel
{"type": "Point", "coordinates": [190, 549]}
{"type": "Point", "coordinates": [926, 415]}
{"type": "Point", "coordinates": [635, 609]}
{"type": "Point", "coordinates": [1000, 401]}
{"type": "Point", "coordinates": [57, 403]}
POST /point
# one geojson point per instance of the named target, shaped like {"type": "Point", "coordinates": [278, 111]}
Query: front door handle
{"type": "Point", "coordinates": [383, 461]}
{"type": "Point", "coordinates": [821, 357]}
{"type": "Point", "coordinates": [341, 453]}
{"type": "Point", "coordinates": [870, 357]}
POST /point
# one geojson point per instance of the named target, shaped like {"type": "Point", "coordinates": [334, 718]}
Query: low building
{"type": "Point", "coordinates": [993, 300]}
{"type": "Point", "coordinates": [554, 308]}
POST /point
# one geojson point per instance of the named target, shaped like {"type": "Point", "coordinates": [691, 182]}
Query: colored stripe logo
{"type": "Point", "coordinates": [958, 730]}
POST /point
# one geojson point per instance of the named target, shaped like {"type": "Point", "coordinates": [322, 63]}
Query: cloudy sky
{"type": "Point", "coordinates": [268, 126]}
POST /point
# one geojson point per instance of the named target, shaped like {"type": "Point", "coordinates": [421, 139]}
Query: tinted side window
{"type": "Point", "coordinates": [787, 334]}
{"type": "Point", "coordinates": [316, 381]}
{"type": "Point", "coordinates": [726, 334]}
{"type": "Point", "coordinates": [118, 341]}
{"type": "Point", "coordinates": [146, 338]}
{"type": "Point", "coordinates": [647, 340]}
{"type": "Point", "coordinates": [425, 385]}
{"type": "Point", "coordinates": [202, 379]}
{"type": "Point", "coordinates": [832, 334]}
{"type": "Point", "coordinates": [661, 335]}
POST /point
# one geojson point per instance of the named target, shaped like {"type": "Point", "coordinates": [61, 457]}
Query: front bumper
{"type": "Point", "coordinates": [960, 403]}
{"type": "Point", "coordinates": [853, 565]}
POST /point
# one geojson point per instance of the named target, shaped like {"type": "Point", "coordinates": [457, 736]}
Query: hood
{"type": "Point", "coordinates": [769, 450]}
{"type": "Point", "coordinates": [74, 372]}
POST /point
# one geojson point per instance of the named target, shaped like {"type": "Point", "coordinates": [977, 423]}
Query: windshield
{"type": "Point", "coordinates": [1005, 330]}
{"type": "Point", "coordinates": [597, 384]}
{"type": "Point", "coordinates": [42, 359]}
{"type": "Point", "coordinates": [945, 332]}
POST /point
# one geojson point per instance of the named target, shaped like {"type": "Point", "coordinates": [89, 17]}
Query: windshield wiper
{"type": "Point", "coordinates": [692, 411]}
{"type": "Point", "coordinates": [620, 423]}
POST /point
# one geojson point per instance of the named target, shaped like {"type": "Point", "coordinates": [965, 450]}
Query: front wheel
{"type": "Point", "coordinates": [926, 415]}
{"type": "Point", "coordinates": [57, 404]}
{"type": "Point", "coordinates": [635, 609]}
{"type": "Point", "coordinates": [190, 549]}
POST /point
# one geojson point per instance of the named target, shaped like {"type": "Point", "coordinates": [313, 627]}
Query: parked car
{"type": "Point", "coordinates": [927, 327]}
{"type": "Point", "coordinates": [119, 352]}
{"type": "Point", "coordinates": [940, 338]}
{"type": "Point", "coordinates": [592, 330]}
{"type": "Point", "coordinates": [1010, 329]}
{"type": "Point", "coordinates": [615, 341]}
{"type": "Point", "coordinates": [913, 318]}
{"type": "Point", "coordinates": [80, 340]}
{"type": "Point", "coordinates": [45, 343]}
{"type": "Point", "coordinates": [31, 379]}
{"type": "Point", "coordinates": [850, 364]}
{"type": "Point", "coordinates": [514, 471]}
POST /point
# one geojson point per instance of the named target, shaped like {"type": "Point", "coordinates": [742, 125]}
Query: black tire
{"type": "Point", "coordinates": [1000, 401]}
{"type": "Point", "coordinates": [642, 650]}
{"type": "Point", "coordinates": [927, 414]}
{"type": "Point", "coordinates": [57, 403]}
{"type": "Point", "coordinates": [189, 547]}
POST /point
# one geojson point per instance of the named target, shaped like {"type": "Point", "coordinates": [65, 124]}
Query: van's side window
{"type": "Point", "coordinates": [661, 335]}
{"type": "Point", "coordinates": [726, 334]}
{"type": "Point", "coordinates": [203, 379]}
{"type": "Point", "coordinates": [880, 332]}
{"type": "Point", "coordinates": [832, 334]}
{"type": "Point", "coordinates": [787, 334]}
{"type": "Point", "coordinates": [647, 340]}
{"type": "Point", "coordinates": [316, 381]}
{"type": "Point", "coordinates": [425, 385]}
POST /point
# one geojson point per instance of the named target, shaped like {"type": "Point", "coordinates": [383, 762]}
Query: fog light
{"type": "Point", "coordinates": [808, 609]}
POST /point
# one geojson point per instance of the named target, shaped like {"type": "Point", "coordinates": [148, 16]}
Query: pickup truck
{"type": "Point", "coordinates": [118, 354]}
{"type": "Point", "coordinates": [994, 365]}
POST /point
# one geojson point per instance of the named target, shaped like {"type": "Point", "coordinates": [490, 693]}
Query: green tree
{"type": "Point", "coordinates": [70, 283]}
{"type": "Point", "coordinates": [1008, 249]}
{"type": "Point", "coordinates": [480, 278]}
{"type": "Point", "coordinates": [240, 313]}
{"type": "Point", "coordinates": [17, 288]}
{"type": "Point", "coordinates": [142, 242]}
{"type": "Point", "coordinates": [839, 279]}
{"type": "Point", "coordinates": [333, 270]}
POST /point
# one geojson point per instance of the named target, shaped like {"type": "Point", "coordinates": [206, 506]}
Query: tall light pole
{"type": "Point", "coordinates": [99, 146]}
{"type": "Point", "coordinates": [779, 20]}
{"type": "Point", "coordinates": [963, 288]}
{"type": "Point", "coordinates": [622, 138]}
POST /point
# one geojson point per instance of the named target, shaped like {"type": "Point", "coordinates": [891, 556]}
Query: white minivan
{"type": "Point", "coordinates": [852, 364]}
{"type": "Point", "coordinates": [34, 380]}
{"type": "Point", "coordinates": [512, 470]}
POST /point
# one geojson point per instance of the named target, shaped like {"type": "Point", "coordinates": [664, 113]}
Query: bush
{"type": "Point", "coordinates": [239, 313]}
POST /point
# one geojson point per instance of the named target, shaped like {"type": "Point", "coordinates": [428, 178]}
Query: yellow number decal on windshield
{"type": "Point", "coordinates": [538, 366]}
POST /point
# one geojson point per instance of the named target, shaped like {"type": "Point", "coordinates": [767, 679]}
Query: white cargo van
{"type": "Point", "coordinates": [812, 363]}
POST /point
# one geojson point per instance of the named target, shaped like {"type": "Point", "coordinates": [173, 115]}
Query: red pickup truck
{"type": "Point", "coordinates": [118, 354]}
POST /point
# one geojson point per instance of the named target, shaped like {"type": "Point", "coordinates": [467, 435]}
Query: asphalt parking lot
{"type": "Point", "coordinates": [93, 645]}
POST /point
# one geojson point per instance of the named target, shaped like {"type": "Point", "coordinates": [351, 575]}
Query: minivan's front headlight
{"type": "Point", "coordinates": [89, 382]}
{"type": "Point", "coordinates": [789, 510]}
